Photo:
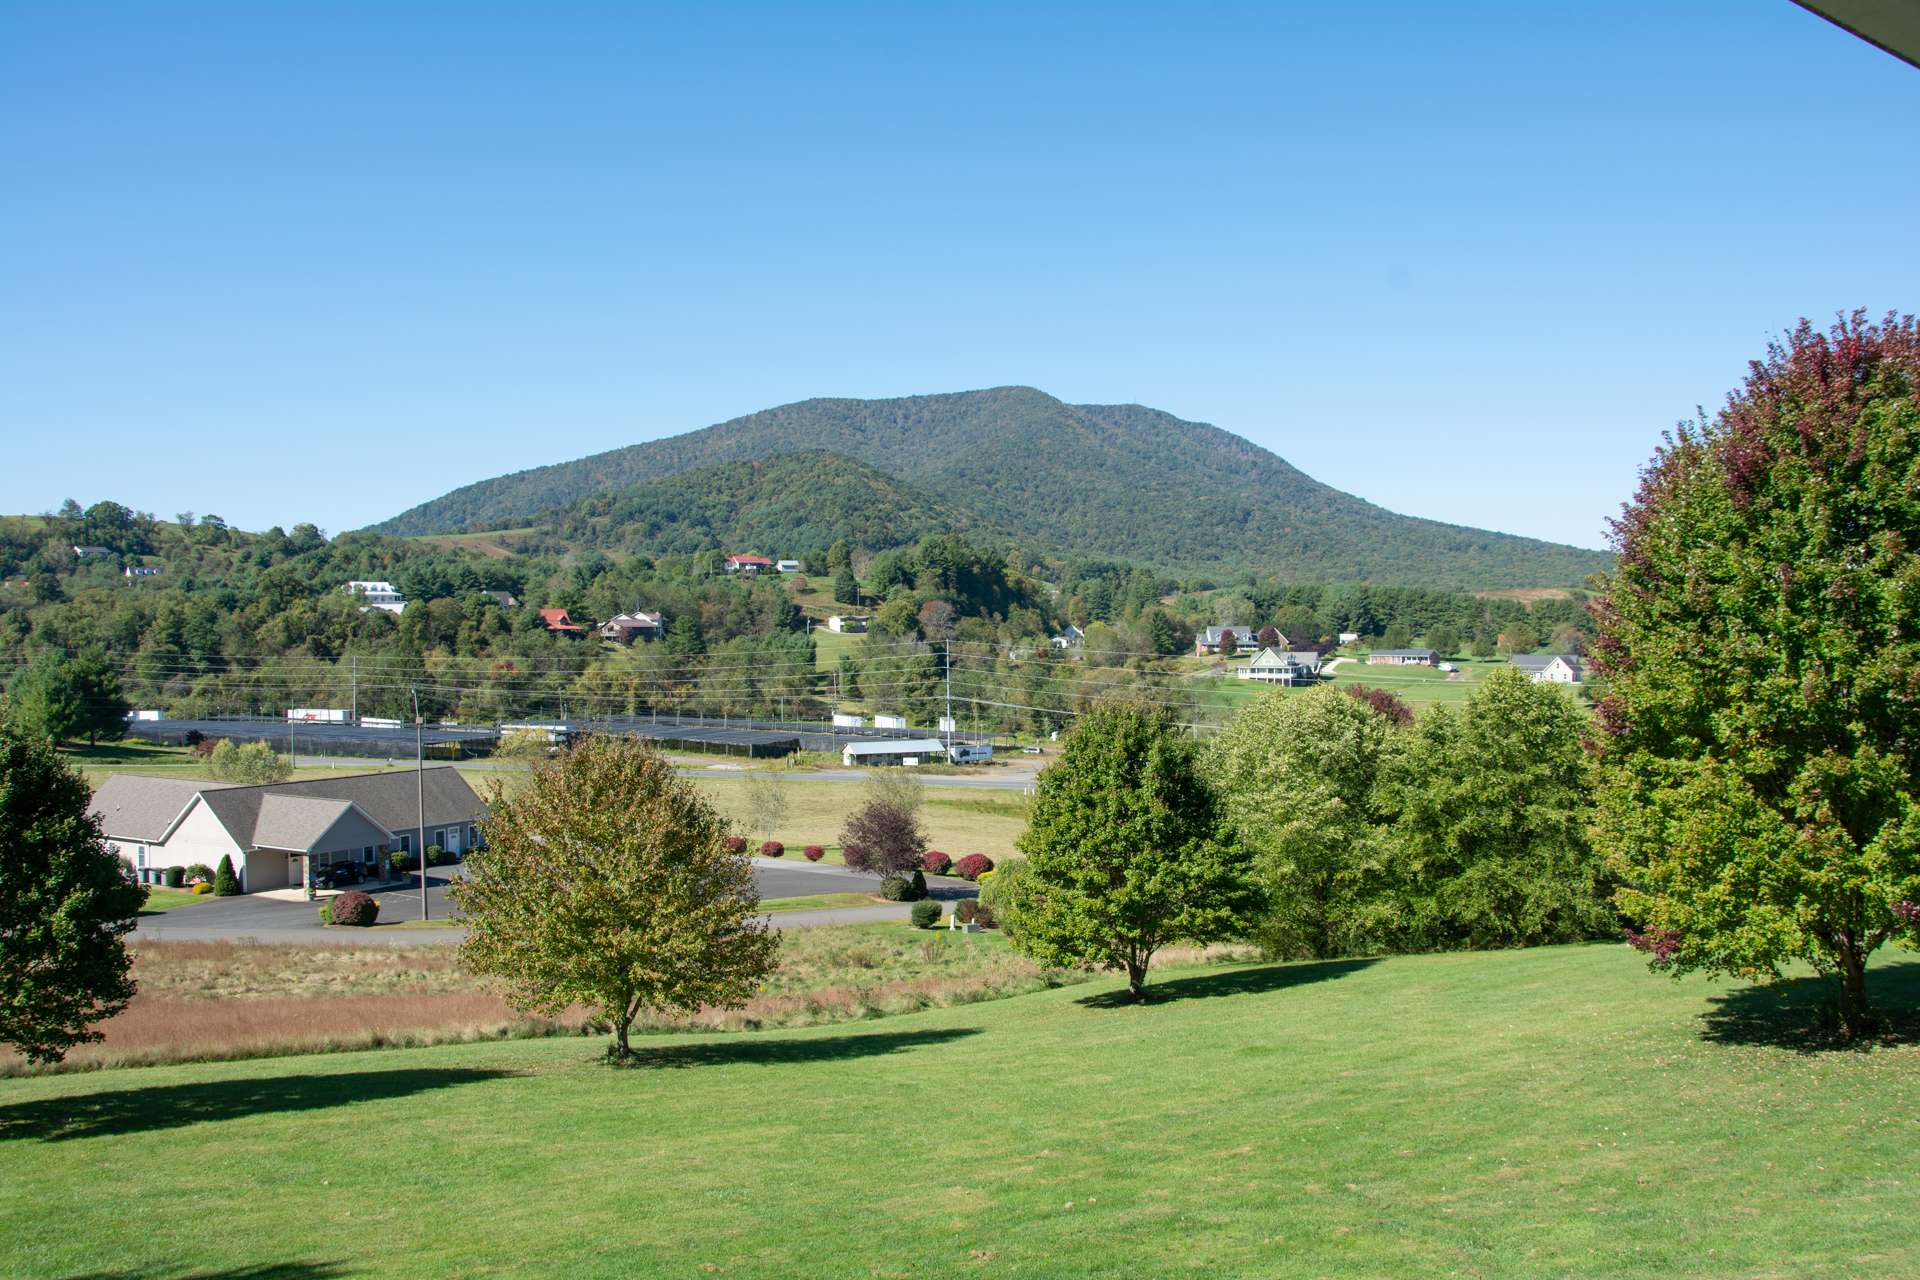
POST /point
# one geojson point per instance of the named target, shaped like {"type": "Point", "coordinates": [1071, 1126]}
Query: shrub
{"type": "Point", "coordinates": [400, 863]}
{"type": "Point", "coordinates": [883, 837]}
{"type": "Point", "coordinates": [965, 910]}
{"type": "Point", "coordinates": [895, 888]}
{"type": "Point", "coordinates": [326, 913]}
{"type": "Point", "coordinates": [814, 853]}
{"type": "Point", "coordinates": [926, 914]}
{"type": "Point", "coordinates": [736, 844]}
{"type": "Point", "coordinates": [355, 908]}
{"type": "Point", "coordinates": [225, 883]}
{"type": "Point", "coordinates": [204, 886]}
{"type": "Point", "coordinates": [999, 887]}
{"type": "Point", "coordinates": [199, 871]}
{"type": "Point", "coordinates": [436, 856]}
{"type": "Point", "coordinates": [175, 877]}
{"type": "Point", "coordinates": [772, 849]}
{"type": "Point", "coordinates": [935, 863]}
{"type": "Point", "coordinates": [917, 886]}
{"type": "Point", "coordinates": [983, 915]}
{"type": "Point", "coordinates": [971, 866]}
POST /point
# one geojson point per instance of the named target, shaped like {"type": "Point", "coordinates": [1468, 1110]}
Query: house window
{"type": "Point", "coordinates": [366, 855]}
{"type": "Point", "coordinates": [440, 837]}
{"type": "Point", "coordinates": [406, 842]}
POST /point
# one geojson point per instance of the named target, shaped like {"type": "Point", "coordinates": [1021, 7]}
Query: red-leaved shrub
{"type": "Point", "coordinates": [935, 863]}
{"type": "Point", "coordinates": [971, 866]}
{"type": "Point", "coordinates": [814, 852]}
{"type": "Point", "coordinates": [772, 849]}
{"type": "Point", "coordinates": [736, 844]}
{"type": "Point", "coordinates": [354, 908]}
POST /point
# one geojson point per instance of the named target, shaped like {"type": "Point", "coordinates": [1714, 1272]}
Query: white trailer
{"type": "Point", "coordinates": [889, 722]}
{"type": "Point", "coordinates": [318, 715]}
{"type": "Point", "coordinates": [969, 753]}
{"type": "Point", "coordinates": [849, 722]}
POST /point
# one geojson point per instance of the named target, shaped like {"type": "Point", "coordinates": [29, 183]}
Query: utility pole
{"type": "Point", "coordinates": [420, 797]}
{"type": "Point", "coordinates": [947, 648]}
{"type": "Point", "coordinates": [355, 677]}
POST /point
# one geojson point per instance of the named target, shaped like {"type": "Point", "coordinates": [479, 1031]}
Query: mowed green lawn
{"type": "Point", "coordinates": [1548, 1113]}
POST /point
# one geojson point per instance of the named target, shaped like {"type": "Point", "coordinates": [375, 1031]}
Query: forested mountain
{"type": "Point", "coordinates": [779, 506]}
{"type": "Point", "coordinates": [1118, 481]}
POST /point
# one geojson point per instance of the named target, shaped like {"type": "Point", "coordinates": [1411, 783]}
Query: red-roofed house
{"type": "Point", "coordinates": [748, 565]}
{"type": "Point", "coordinates": [557, 620]}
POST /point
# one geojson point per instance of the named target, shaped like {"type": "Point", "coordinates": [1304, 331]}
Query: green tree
{"type": "Point", "coordinates": [44, 699]}
{"type": "Point", "coordinates": [252, 764]}
{"type": "Point", "coordinates": [1398, 636]}
{"type": "Point", "coordinates": [1758, 652]}
{"type": "Point", "coordinates": [66, 904]}
{"type": "Point", "coordinates": [1491, 803]}
{"type": "Point", "coordinates": [1300, 779]}
{"type": "Point", "coordinates": [607, 881]}
{"type": "Point", "coordinates": [225, 883]}
{"type": "Point", "coordinates": [1127, 850]}
{"type": "Point", "coordinates": [1161, 633]}
{"type": "Point", "coordinates": [103, 709]}
{"type": "Point", "coordinates": [1444, 640]}
{"type": "Point", "coordinates": [1485, 643]}
{"type": "Point", "coordinates": [846, 587]}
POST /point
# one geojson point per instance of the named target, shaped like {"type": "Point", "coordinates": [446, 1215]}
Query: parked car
{"type": "Point", "coordinates": [338, 875]}
{"type": "Point", "coordinates": [1033, 751]}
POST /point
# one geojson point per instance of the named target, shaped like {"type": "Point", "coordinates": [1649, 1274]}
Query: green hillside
{"type": "Point", "coordinates": [1117, 481]}
{"type": "Point", "coordinates": [1558, 1112]}
{"type": "Point", "coordinates": [776, 504]}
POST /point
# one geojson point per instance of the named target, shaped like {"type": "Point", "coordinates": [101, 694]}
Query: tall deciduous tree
{"type": "Point", "coordinates": [1759, 656]}
{"type": "Point", "coordinates": [1128, 850]}
{"type": "Point", "coordinates": [766, 803]}
{"type": "Point", "coordinates": [1491, 802]}
{"type": "Point", "coordinates": [66, 903]}
{"type": "Point", "coordinates": [1300, 777]}
{"type": "Point", "coordinates": [607, 881]}
{"type": "Point", "coordinates": [883, 836]}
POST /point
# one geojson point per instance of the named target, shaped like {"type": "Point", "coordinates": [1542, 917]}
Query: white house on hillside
{"type": "Point", "coordinates": [1282, 666]}
{"type": "Point", "coordinates": [377, 595]}
{"type": "Point", "coordinates": [1549, 668]}
{"type": "Point", "coordinates": [847, 623]}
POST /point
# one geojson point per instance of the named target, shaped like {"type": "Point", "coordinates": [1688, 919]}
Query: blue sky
{"type": "Point", "coordinates": [320, 262]}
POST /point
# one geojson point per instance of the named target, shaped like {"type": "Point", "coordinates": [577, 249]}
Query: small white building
{"type": "Point", "coordinates": [1403, 657]}
{"type": "Point", "coordinates": [1071, 638]}
{"type": "Point", "coordinates": [889, 722]}
{"type": "Point", "coordinates": [901, 751]}
{"type": "Point", "coordinates": [141, 571]}
{"type": "Point", "coordinates": [848, 623]}
{"type": "Point", "coordinates": [377, 595]}
{"type": "Point", "coordinates": [787, 566]}
{"type": "Point", "coordinates": [1549, 668]}
{"type": "Point", "coordinates": [1349, 637]}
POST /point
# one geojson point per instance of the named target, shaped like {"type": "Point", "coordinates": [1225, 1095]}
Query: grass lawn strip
{"type": "Point", "coordinates": [1515, 1114]}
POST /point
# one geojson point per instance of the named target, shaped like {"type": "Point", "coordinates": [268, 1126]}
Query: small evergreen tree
{"type": "Point", "coordinates": [225, 883]}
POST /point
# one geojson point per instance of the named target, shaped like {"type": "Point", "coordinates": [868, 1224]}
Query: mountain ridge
{"type": "Point", "coordinates": [1094, 481]}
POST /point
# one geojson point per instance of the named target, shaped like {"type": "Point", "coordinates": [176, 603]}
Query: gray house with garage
{"type": "Point", "coordinates": [282, 834]}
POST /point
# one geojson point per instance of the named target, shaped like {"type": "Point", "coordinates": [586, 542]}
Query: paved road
{"type": "Point", "coordinates": [266, 919]}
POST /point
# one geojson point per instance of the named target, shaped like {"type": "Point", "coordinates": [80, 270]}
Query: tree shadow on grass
{"type": "Point", "coordinates": [768, 1052]}
{"type": "Point", "coordinates": [121, 1111]}
{"type": "Point", "coordinates": [1232, 982]}
{"type": "Point", "coordinates": [262, 1271]}
{"type": "Point", "coordinates": [1802, 1014]}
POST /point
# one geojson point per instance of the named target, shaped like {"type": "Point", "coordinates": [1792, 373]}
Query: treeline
{"type": "Point", "coordinates": [1322, 825]}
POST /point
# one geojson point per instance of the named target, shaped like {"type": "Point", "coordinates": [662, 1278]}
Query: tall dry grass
{"type": "Point", "coordinates": [211, 1001]}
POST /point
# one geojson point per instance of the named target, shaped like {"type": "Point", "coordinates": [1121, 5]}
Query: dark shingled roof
{"type": "Point", "coordinates": [388, 798]}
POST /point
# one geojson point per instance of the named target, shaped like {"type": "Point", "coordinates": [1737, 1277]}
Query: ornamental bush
{"type": "Point", "coordinates": [772, 849]}
{"type": "Point", "coordinates": [401, 863]}
{"type": "Point", "coordinates": [175, 877]}
{"type": "Point", "coordinates": [736, 844]}
{"type": "Point", "coordinates": [917, 886]}
{"type": "Point", "coordinates": [935, 863]}
{"type": "Point", "coordinates": [199, 871]}
{"type": "Point", "coordinates": [436, 856]}
{"type": "Point", "coordinates": [926, 914]}
{"type": "Point", "coordinates": [965, 910]}
{"type": "Point", "coordinates": [203, 886]}
{"type": "Point", "coordinates": [225, 883]}
{"type": "Point", "coordinates": [983, 915]}
{"type": "Point", "coordinates": [814, 853]}
{"type": "Point", "coordinates": [895, 888]}
{"type": "Point", "coordinates": [970, 867]}
{"type": "Point", "coordinates": [355, 908]}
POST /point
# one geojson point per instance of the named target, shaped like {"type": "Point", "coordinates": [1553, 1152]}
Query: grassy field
{"type": "Point", "coordinates": [957, 821]}
{"type": "Point", "coordinates": [180, 762]}
{"type": "Point", "coordinates": [816, 902]}
{"type": "Point", "coordinates": [1547, 1113]}
{"type": "Point", "coordinates": [161, 899]}
{"type": "Point", "coordinates": [212, 1001]}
